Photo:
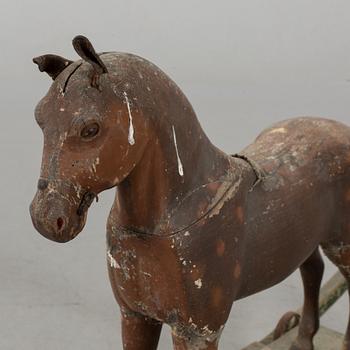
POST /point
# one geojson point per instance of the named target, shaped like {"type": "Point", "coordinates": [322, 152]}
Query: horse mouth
{"type": "Point", "coordinates": [59, 215]}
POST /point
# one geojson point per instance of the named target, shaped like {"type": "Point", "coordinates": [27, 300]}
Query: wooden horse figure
{"type": "Point", "coordinates": [191, 229]}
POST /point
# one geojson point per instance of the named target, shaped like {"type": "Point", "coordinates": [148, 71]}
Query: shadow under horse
{"type": "Point", "coordinates": [191, 229]}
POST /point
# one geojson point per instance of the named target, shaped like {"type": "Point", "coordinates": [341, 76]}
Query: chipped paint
{"type": "Point", "coordinates": [194, 336]}
{"type": "Point", "coordinates": [180, 167]}
{"type": "Point", "coordinates": [278, 130]}
{"type": "Point", "coordinates": [131, 138]}
{"type": "Point", "coordinates": [77, 189]}
{"type": "Point", "coordinates": [94, 164]}
{"type": "Point", "coordinates": [112, 262]}
{"type": "Point", "coordinates": [198, 283]}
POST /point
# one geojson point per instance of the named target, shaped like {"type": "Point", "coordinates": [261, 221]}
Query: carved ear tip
{"type": "Point", "coordinates": [86, 51]}
{"type": "Point", "coordinates": [80, 37]}
{"type": "Point", "coordinates": [53, 65]}
{"type": "Point", "coordinates": [79, 40]}
{"type": "Point", "coordinates": [38, 61]}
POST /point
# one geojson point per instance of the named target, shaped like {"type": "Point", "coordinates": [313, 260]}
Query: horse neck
{"type": "Point", "coordinates": [178, 159]}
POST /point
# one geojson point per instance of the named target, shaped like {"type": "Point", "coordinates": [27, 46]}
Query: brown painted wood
{"type": "Point", "coordinates": [330, 293]}
{"type": "Point", "coordinates": [192, 229]}
{"type": "Point", "coordinates": [254, 346]}
{"type": "Point", "coordinates": [325, 339]}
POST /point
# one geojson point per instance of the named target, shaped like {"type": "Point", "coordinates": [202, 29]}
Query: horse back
{"type": "Point", "coordinates": [301, 201]}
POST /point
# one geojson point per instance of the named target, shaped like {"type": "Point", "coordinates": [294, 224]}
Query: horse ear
{"type": "Point", "coordinates": [86, 51]}
{"type": "Point", "coordinates": [53, 65]}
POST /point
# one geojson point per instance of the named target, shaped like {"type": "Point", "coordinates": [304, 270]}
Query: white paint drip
{"type": "Point", "coordinates": [112, 262]}
{"type": "Point", "coordinates": [180, 167]}
{"type": "Point", "coordinates": [131, 126]}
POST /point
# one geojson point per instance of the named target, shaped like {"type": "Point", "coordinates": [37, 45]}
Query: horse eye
{"type": "Point", "coordinates": [90, 131]}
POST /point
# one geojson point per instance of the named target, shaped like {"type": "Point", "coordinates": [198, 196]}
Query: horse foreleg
{"type": "Point", "coordinates": [311, 273]}
{"type": "Point", "coordinates": [139, 332]}
{"type": "Point", "coordinates": [194, 343]}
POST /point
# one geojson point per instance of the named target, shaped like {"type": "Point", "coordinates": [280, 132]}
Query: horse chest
{"type": "Point", "coordinates": [144, 273]}
{"type": "Point", "coordinates": [176, 278]}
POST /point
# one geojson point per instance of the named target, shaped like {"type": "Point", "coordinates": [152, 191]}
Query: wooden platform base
{"type": "Point", "coordinates": [325, 339]}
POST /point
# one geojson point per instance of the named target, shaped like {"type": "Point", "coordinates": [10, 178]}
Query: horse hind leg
{"type": "Point", "coordinates": [311, 272]}
{"type": "Point", "coordinates": [339, 254]}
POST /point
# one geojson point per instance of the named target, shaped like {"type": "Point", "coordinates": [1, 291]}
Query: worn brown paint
{"type": "Point", "coordinates": [240, 215]}
{"type": "Point", "coordinates": [220, 247]}
{"type": "Point", "coordinates": [237, 270]}
{"type": "Point", "coordinates": [347, 195]}
{"type": "Point", "coordinates": [185, 213]}
{"type": "Point", "coordinates": [217, 295]}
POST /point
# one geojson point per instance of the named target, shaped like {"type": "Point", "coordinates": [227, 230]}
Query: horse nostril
{"type": "Point", "coordinates": [60, 223]}
{"type": "Point", "coordinates": [42, 184]}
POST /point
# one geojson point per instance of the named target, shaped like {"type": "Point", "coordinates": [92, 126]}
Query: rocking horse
{"type": "Point", "coordinates": [192, 229]}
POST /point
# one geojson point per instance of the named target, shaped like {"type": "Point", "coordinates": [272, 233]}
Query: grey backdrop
{"type": "Point", "coordinates": [243, 64]}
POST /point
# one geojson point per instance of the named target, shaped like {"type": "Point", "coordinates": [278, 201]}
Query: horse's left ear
{"type": "Point", "coordinates": [53, 65]}
{"type": "Point", "coordinates": [86, 51]}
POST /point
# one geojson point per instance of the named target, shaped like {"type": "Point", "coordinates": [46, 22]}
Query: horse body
{"type": "Point", "coordinates": [177, 277]}
{"type": "Point", "coordinates": [302, 201]}
{"type": "Point", "coordinates": [286, 209]}
{"type": "Point", "coordinates": [191, 229]}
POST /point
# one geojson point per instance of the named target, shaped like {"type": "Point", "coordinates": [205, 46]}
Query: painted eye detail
{"type": "Point", "coordinates": [90, 130]}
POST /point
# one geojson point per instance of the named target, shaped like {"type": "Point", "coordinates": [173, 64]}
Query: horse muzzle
{"type": "Point", "coordinates": [59, 209]}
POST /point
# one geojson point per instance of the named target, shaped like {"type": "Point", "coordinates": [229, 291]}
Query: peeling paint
{"type": "Point", "coordinates": [77, 189]}
{"type": "Point", "coordinates": [94, 164]}
{"type": "Point", "coordinates": [112, 262]}
{"type": "Point", "coordinates": [278, 130]}
{"type": "Point", "coordinates": [228, 195]}
{"type": "Point", "coordinates": [198, 283]}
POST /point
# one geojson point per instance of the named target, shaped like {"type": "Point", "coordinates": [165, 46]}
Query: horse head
{"type": "Point", "coordinates": [94, 135]}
